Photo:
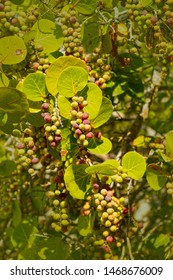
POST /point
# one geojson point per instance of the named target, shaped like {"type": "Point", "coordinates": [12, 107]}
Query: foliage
{"type": "Point", "coordinates": [86, 129]}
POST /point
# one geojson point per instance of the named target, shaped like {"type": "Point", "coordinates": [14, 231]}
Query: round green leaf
{"type": "Point", "coordinates": [4, 81]}
{"type": "Point", "coordinates": [86, 7]}
{"type": "Point", "coordinates": [35, 119]}
{"type": "Point", "coordinates": [91, 37]}
{"type": "Point", "coordinates": [54, 71]}
{"type": "Point", "coordinates": [100, 146]}
{"type": "Point", "coordinates": [155, 177]}
{"type": "Point", "coordinates": [84, 225]}
{"type": "Point", "coordinates": [102, 168]}
{"type": "Point", "coordinates": [134, 165]}
{"type": "Point", "coordinates": [169, 144]}
{"type": "Point", "coordinates": [48, 35]}
{"type": "Point", "coordinates": [3, 117]}
{"type": "Point", "coordinates": [17, 2]}
{"type": "Point", "coordinates": [12, 50]}
{"type": "Point", "coordinates": [72, 80]}
{"type": "Point", "coordinates": [93, 94]}
{"type": "Point", "coordinates": [64, 106]}
{"type": "Point", "coordinates": [6, 168]}
{"type": "Point", "coordinates": [104, 114]}
{"type": "Point", "coordinates": [14, 104]}
{"type": "Point", "coordinates": [77, 180]}
{"type": "Point", "coordinates": [161, 240]}
{"type": "Point", "coordinates": [34, 87]}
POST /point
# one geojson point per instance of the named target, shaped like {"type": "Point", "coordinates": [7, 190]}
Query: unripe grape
{"type": "Point", "coordinates": [110, 210]}
{"type": "Point", "coordinates": [169, 191]}
{"type": "Point", "coordinates": [107, 223]}
{"type": "Point", "coordinates": [58, 132]}
{"type": "Point", "coordinates": [82, 137]}
{"type": "Point", "coordinates": [113, 228]}
{"type": "Point", "coordinates": [56, 202]}
{"type": "Point", "coordinates": [74, 104]}
{"type": "Point", "coordinates": [85, 143]}
{"type": "Point", "coordinates": [57, 228]}
{"type": "Point", "coordinates": [63, 204]}
{"type": "Point", "coordinates": [53, 127]}
{"type": "Point", "coordinates": [87, 127]}
{"type": "Point", "coordinates": [74, 113]}
{"type": "Point", "coordinates": [103, 203]}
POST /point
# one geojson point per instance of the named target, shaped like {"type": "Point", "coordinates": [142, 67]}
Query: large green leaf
{"type": "Point", "coordinates": [102, 168]}
{"type": "Point", "coordinates": [100, 146]}
{"type": "Point", "coordinates": [86, 7]}
{"type": "Point", "coordinates": [23, 234]}
{"type": "Point", "coordinates": [145, 3]}
{"type": "Point", "coordinates": [84, 225]}
{"type": "Point", "coordinates": [71, 80]}
{"type": "Point", "coordinates": [3, 117]}
{"type": "Point", "coordinates": [48, 35]}
{"type": "Point", "coordinates": [169, 144]}
{"type": "Point", "coordinates": [104, 114]}
{"type": "Point", "coordinates": [55, 249]}
{"type": "Point", "coordinates": [57, 67]}
{"type": "Point", "coordinates": [12, 50]}
{"type": "Point", "coordinates": [7, 167]}
{"type": "Point", "coordinates": [35, 119]}
{"type": "Point", "coordinates": [134, 165]}
{"type": "Point", "coordinates": [77, 180]}
{"type": "Point", "coordinates": [155, 177]}
{"type": "Point", "coordinates": [17, 2]}
{"type": "Point", "coordinates": [64, 106]}
{"type": "Point", "coordinates": [14, 104]}
{"type": "Point", "coordinates": [34, 87]}
{"type": "Point", "coordinates": [91, 37]}
{"type": "Point", "coordinates": [4, 81]}
{"type": "Point", "coordinates": [93, 94]}
{"type": "Point", "coordinates": [17, 214]}
{"type": "Point", "coordinates": [161, 240]}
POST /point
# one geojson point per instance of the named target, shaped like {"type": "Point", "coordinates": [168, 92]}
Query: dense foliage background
{"type": "Point", "coordinates": [86, 125]}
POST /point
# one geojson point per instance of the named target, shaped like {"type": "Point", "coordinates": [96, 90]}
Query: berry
{"type": "Point", "coordinates": [90, 135]}
{"type": "Point", "coordinates": [45, 106]}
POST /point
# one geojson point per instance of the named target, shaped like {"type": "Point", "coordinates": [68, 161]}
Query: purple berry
{"type": "Point", "coordinates": [45, 106]}
{"type": "Point", "coordinates": [47, 118]}
{"type": "Point", "coordinates": [78, 131]}
{"type": "Point", "coordinates": [85, 116]}
{"type": "Point", "coordinates": [57, 139]}
{"type": "Point", "coordinates": [108, 198]}
{"type": "Point", "coordinates": [86, 122]}
{"type": "Point", "coordinates": [75, 125]}
{"type": "Point", "coordinates": [98, 134]}
{"type": "Point", "coordinates": [90, 135]}
{"type": "Point", "coordinates": [96, 186]}
{"type": "Point", "coordinates": [53, 144]}
{"type": "Point", "coordinates": [35, 160]}
{"type": "Point", "coordinates": [20, 146]}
